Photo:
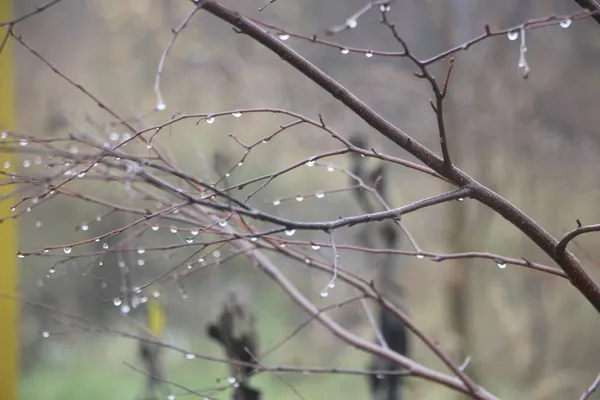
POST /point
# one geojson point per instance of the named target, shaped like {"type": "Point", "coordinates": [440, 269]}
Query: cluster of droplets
{"type": "Point", "coordinates": [325, 292]}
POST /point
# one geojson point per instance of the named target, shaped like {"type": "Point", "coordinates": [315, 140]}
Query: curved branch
{"type": "Point", "coordinates": [561, 247]}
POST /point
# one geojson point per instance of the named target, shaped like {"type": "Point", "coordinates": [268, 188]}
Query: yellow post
{"type": "Point", "coordinates": [9, 307]}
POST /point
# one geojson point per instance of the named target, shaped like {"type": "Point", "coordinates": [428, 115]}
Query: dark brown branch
{"type": "Point", "coordinates": [568, 262]}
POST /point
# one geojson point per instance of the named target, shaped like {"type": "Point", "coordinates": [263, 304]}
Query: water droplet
{"type": "Point", "coordinates": [420, 256]}
{"type": "Point", "coordinates": [223, 222]}
{"type": "Point", "coordinates": [173, 229]}
{"type": "Point", "coordinates": [324, 293]}
{"type": "Point", "coordinates": [194, 232]}
{"type": "Point", "coordinates": [282, 245]}
{"type": "Point", "coordinates": [319, 195]}
{"type": "Point", "coordinates": [267, 140]}
{"type": "Point", "coordinates": [105, 246]}
{"type": "Point", "coordinates": [379, 376]}
{"type": "Point", "coordinates": [351, 23]}
{"type": "Point", "coordinates": [189, 240]}
{"type": "Point", "coordinates": [521, 63]}
{"type": "Point", "coordinates": [240, 164]}
{"type": "Point", "coordinates": [67, 250]}
{"type": "Point", "coordinates": [369, 54]}
{"type": "Point", "coordinates": [6, 164]}
{"type": "Point", "coordinates": [52, 270]}
{"type": "Point", "coordinates": [253, 239]}
{"type": "Point", "coordinates": [565, 23]}
{"type": "Point", "coordinates": [210, 120]}
{"type": "Point", "coordinates": [227, 175]}
{"type": "Point", "coordinates": [501, 264]}
{"type": "Point", "coordinates": [99, 218]}
{"type": "Point", "coordinates": [3, 135]}
{"type": "Point", "coordinates": [513, 35]}
{"type": "Point", "coordinates": [236, 114]}
{"type": "Point", "coordinates": [310, 163]}
{"type": "Point", "coordinates": [23, 142]}
{"type": "Point", "coordinates": [141, 251]}
{"type": "Point", "coordinates": [85, 227]}
{"type": "Point", "coordinates": [155, 294]}
{"type": "Point", "coordinates": [125, 309]}
{"type": "Point", "coordinates": [141, 262]}
{"type": "Point", "coordinates": [26, 164]}
{"type": "Point", "coordinates": [315, 247]}
{"type": "Point", "coordinates": [161, 106]}
{"type": "Point", "coordinates": [307, 261]}
{"type": "Point", "coordinates": [231, 380]}
{"type": "Point", "coordinates": [290, 232]}
{"type": "Point", "coordinates": [331, 285]}
{"type": "Point", "coordinates": [216, 254]}
{"type": "Point", "coordinates": [189, 266]}
{"type": "Point", "coordinates": [154, 227]}
{"type": "Point", "coordinates": [149, 145]}
{"type": "Point", "coordinates": [344, 51]}
{"type": "Point", "coordinates": [299, 198]}
{"type": "Point", "coordinates": [276, 202]}
{"type": "Point", "coordinates": [114, 136]}
{"type": "Point", "coordinates": [201, 259]}
{"type": "Point", "coordinates": [190, 356]}
{"type": "Point", "coordinates": [117, 301]}
{"type": "Point", "coordinates": [460, 199]}
{"type": "Point", "coordinates": [284, 37]}
{"type": "Point", "coordinates": [330, 168]}
{"type": "Point", "coordinates": [382, 8]}
{"type": "Point", "coordinates": [38, 224]}
{"type": "Point", "coordinates": [45, 334]}
{"type": "Point", "coordinates": [171, 397]}
{"type": "Point", "coordinates": [20, 255]}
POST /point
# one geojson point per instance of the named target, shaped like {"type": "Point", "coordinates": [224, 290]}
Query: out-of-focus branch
{"type": "Point", "coordinates": [591, 389]}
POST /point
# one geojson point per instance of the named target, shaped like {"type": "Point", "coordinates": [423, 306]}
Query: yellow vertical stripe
{"type": "Point", "coordinates": [156, 318]}
{"type": "Point", "coordinates": [9, 307]}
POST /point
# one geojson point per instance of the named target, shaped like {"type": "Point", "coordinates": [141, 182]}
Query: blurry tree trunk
{"type": "Point", "coordinates": [454, 27]}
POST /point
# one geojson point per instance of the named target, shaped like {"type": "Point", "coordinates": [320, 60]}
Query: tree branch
{"type": "Point", "coordinates": [591, 5]}
{"type": "Point", "coordinates": [568, 262]}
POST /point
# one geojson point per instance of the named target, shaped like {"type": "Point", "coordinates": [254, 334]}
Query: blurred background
{"type": "Point", "coordinates": [535, 141]}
